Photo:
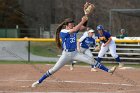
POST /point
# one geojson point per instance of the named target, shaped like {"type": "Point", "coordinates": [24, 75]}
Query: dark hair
{"type": "Point", "coordinates": [68, 20]}
{"type": "Point", "coordinates": [64, 23]}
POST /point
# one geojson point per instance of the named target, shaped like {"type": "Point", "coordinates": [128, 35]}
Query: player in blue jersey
{"type": "Point", "coordinates": [107, 43]}
{"type": "Point", "coordinates": [87, 40]}
{"type": "Point", "coordinates": [67, 31]}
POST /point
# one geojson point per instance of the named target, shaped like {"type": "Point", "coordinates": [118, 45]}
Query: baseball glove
{"type": "Point", "coordinates": [88, 8]}
{"type": "Point", "coordinates": [97, 48]}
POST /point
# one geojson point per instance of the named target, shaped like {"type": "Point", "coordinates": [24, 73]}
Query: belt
{"type": "Point", "coordinates": [69, 50]}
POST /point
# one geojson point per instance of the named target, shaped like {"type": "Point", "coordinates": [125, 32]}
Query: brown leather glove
{"type": "Point", "coordinates": [88, 8]}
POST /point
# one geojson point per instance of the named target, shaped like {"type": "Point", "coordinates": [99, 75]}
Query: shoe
{"type": "Point", "coordinates": [93, 70]}
{"type": "Point", "coordinates": [121, 65]}
{"type": "Point", "coordinates": [35, 84]}
{"type": "Point", "coordinates": [112, 70]}
{"type": "Point", "coordinates": [71, 67]}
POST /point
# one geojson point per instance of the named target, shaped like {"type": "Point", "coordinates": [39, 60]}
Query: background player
{"type": "Point", "coordinates": [87, 40]}
{"type": "Point", "coordinates": [69, 46]}
{"type": "Point", "coordinates": [107, 43]}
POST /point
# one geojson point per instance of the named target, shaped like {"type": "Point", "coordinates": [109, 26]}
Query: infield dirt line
{"type": "Point", "coordinates": [82, 82]}
{"type": "Point", "coordinates": [55, 92]}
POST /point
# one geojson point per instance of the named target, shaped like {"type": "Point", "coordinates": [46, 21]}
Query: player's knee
{"type": "Point", "coordinates": [114, 55]}
{"type": "Point", "coordinates": [53, 70]}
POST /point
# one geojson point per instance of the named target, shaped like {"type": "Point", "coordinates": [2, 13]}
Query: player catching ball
{"type": "Point", "coordinates": [107, 43]}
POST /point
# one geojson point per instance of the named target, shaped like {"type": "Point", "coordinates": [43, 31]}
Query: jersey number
{"type": "Point", "coordinates": [72, 40]}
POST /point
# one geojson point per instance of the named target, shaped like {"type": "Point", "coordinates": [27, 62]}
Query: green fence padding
{"type": "Point", "coordinates": [9, 33]}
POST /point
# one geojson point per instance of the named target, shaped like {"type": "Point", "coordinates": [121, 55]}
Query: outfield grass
{"type": "Point", "coordinates": [79, 63]}
{"type": "Point", "coordinates": [46, 49]}
{"type": "Point", "coordinates": [25, 62]}
{"type": "Point", "coordinates": [49, 49]}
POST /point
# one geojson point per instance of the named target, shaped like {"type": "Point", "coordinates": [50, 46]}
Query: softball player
{"type": "Point", "coordinates": [107, 43]}
{"type": "Point", "coordinates": [87, 40]}
{"type": "Point", "coordinates": [69, 47]}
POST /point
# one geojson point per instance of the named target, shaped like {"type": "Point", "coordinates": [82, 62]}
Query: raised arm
{"type": "Point", "coordinates": [77, 27]}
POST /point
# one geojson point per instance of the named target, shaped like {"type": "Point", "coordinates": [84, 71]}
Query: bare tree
{"type": "Point", "coordinates": [10, 14]}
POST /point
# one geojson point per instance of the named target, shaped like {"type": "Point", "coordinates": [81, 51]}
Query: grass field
{"type": "Point", "coordinates": [46, 49]}
{"type": "Point", "coordinates": [79, 63]}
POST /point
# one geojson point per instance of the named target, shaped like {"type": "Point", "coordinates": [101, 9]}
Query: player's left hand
{"type": "Point", "coordinates": [84, 18]}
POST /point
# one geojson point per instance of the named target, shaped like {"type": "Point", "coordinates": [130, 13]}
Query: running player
{"type": "Point", "coordinates": [69, 47]}
{"type": "Point", "coordinates": [107, 43]}
{"type": "Point", "coordinates": [87, 40]}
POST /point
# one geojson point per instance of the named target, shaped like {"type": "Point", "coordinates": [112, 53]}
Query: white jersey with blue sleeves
{"type": "Point", "coordinates": [86, 41]}
{"type": "Point", "coordinates": [69, 41]}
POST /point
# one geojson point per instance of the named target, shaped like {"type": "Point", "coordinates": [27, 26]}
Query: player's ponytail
{"type": "Point", "coordinates": [64, 23]}
{"type": "Point", "coordinates": [57, 38]}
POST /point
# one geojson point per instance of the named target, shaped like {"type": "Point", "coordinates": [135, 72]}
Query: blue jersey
{"type": "Point", "coordinates": [86, 41]}
{"type": "Point", "coordinates": [105, 37]}
{"type": "Point", "coordinates": [69, 41]}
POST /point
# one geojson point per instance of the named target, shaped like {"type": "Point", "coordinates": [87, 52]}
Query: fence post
{"type": "Point", "coordinates": [29, 51]}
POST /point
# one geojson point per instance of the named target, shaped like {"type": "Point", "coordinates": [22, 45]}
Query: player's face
{"type": "Point", "coordinates": [100, 32]}
{"type": "Point", "coordinates": [122, 32]}
{"type": "Point", "coordinates": [90, 34]}
{"type": "Point", "coordinates": [70, 25]}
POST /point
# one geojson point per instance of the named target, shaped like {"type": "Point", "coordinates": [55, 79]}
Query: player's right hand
{"type": "Point", "coordinates": [97, 48]}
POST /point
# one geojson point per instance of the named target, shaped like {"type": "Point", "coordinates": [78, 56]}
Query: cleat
{"type": "Point", "coordinates": [71, 67]}
{"type": "Point", "coordinates": [93, 70]}
{"type": "Point", "coordinates": [121, 65]}
{"type": "Point", "coordinates": [112, 70]}
{"type": "Point", "coordinates": [35, 84]}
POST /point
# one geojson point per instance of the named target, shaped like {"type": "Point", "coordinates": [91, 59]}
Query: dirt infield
{"type": "Point", "coordinates": [17, 78]}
